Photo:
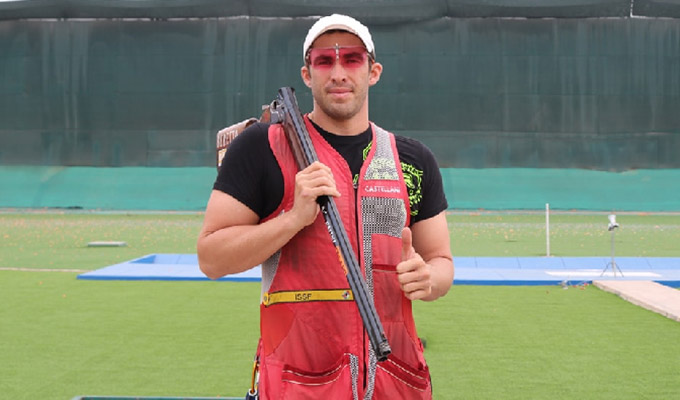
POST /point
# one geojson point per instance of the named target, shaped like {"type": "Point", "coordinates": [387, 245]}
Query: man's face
{"type": "Point", "coordinates": [339, 85]}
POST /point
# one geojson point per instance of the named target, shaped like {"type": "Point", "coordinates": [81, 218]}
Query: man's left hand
{"type": "Point", "coordinates": [413, 272]}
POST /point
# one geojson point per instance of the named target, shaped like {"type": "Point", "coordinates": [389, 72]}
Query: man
{"type": "Point", "coordinates": [389, 193]}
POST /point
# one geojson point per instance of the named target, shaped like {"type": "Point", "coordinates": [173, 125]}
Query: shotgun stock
{"type": "Point", "coordinates": [285, 110]}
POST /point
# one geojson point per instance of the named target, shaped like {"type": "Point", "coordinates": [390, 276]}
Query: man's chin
{"type": "Point", "coordinates": [340, 111]}
{"type": "Point", "coordinates": [341, 115]}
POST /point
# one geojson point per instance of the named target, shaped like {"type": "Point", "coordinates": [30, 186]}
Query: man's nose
{"type": "Point", "coordinates": [338, 72]}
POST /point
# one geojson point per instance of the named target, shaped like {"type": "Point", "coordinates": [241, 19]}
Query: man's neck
{"type": "Point", "coordinates": [350, 127]}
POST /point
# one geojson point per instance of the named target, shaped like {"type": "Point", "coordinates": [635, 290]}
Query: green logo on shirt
{"type": "Point", "coordinates": [413, 178]}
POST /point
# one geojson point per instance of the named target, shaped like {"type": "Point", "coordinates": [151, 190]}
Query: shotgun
{"type": "Point", "coordinates": [285, 110]}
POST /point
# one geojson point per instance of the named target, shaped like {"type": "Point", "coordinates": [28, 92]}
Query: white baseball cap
{"type": "Point", "coordinates": [340, 22]}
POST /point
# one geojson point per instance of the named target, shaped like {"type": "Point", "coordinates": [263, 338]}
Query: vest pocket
{"type": "Point", "coordinates": [386, 252]}
{"type": "Point", "coordinates": [337, 382]}
{"type": "Point", "coordinates": [394, 379]}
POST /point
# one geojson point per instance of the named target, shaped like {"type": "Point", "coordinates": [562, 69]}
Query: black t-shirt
{"type": "Point", "coordinates": [251, 174]}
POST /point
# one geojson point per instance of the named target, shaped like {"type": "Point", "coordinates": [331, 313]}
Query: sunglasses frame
{"type": "Point", "coordinates": [338, 57]}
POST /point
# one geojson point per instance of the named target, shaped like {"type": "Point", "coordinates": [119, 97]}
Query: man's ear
{"type": "Point", "coordinates": [306, 77]}
{"type": "Point", "coordinates": [374, 73]}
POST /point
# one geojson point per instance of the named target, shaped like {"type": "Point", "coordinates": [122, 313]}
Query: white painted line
{"type": "Point", "coordinates": [107, 244]}
{"type": "Point", "coordinates": [43, 269]}
{"type": "Point", "coordinates": [598, 272]}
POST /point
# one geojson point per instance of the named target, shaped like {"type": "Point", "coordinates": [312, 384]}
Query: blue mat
{"type": "Point", "coordinates": [469, 270]}
{"type": "Point", "coordinates": [164, 267]}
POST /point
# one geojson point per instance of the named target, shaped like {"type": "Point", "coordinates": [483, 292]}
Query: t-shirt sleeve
{"type": "Point", "coordinates": [434, 198]}
{"type": "Point", "coordinates": [242, 173]}
{"type": "Point", "coordinates": [423, 179]}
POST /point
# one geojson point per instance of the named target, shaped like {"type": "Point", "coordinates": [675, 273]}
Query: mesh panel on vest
{"type": "Point", "coordinates": [379, 215]}
{"type": "Point", "coordinates": [354, 371]}
{"type": "Point", "coordinates": [269, 268]}
{"type": "Point", "coordinates": [383, 216]}
{"type": "Point", "coordinates": [382, 165]}
{"type": "Point", "coordinates": [372, 367]}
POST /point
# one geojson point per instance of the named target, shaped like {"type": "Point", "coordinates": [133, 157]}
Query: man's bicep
{"type": "Point", "coordinates": [224, 211]}
{"type": "Point", "coordinates": [431, 237]}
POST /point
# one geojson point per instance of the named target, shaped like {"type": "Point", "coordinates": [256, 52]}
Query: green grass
{"type": "Point", "coordinates": [61, 337]}
{"type": "Point", "coordinates": [39, 240]}
{"type": "Point", "coordinates": [547, 343]}
{"type": "Point", "coordinates": [572, 235]}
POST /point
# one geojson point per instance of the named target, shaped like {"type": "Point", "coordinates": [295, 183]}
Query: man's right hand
{"type": "Point", "coordinates": [314, 181]}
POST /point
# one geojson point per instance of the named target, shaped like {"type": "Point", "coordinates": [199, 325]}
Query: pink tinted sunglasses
{"type": "Point", "coordinates": [326, 57]}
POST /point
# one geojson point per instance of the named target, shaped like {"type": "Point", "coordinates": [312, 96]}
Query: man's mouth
{"type": "Point", "coordinates": [339, 92]}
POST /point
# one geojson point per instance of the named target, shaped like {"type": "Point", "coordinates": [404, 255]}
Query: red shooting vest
{"type": "Point", "coordinates": [313, 344]}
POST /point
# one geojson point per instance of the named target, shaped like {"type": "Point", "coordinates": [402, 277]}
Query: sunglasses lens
{"type": "Point", "coordinates": [349, 57]}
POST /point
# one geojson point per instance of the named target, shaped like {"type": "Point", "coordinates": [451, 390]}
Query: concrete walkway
{"type": "Point", "coordinates": [647, 294]}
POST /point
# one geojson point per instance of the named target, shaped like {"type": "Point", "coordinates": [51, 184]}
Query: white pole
{"type": "Point", "coordinates": [547, 229]}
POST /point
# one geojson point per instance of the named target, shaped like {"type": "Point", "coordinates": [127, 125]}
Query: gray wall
{"type": "Point", "coordinates": [480, 89]}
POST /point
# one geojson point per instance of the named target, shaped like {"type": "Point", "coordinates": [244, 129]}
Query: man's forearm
{"type": "Point", "coordinates": [238, 248]}
{"type": "Point", "coordinates": [441, 277]}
